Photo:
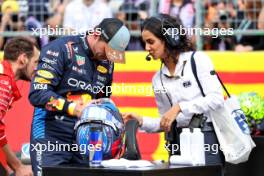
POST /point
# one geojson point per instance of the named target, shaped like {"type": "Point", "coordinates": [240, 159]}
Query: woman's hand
{"type": "Point", "coordinates": [130, 116]}
{"type": "Point", "coordinates": [169, 117]}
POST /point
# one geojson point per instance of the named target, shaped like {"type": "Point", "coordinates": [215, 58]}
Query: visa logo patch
{"type": "Point", "coordinates": [186, 84]}
{"type": "Point", "coordinates": [40, 86]}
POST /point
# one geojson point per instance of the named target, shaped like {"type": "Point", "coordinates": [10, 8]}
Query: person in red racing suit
{"type": "Point", "coordinates": [20, 60]}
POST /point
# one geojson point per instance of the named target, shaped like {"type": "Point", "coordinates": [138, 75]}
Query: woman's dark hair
{"type": "Point", "coordinates": [16, 46]}
{"type": "Point", "coordinates": [155, 25]}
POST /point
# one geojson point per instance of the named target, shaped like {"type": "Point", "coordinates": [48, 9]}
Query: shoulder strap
{"type": "Point", "coordinates": [193, 64]}
{"type": "Point", "coordinates": [227, 93]}
{"type": "Point", "coordinates": [194, 70]}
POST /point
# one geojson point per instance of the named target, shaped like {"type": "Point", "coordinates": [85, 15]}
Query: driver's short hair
{"type": "Point", "coordinates": [17, 46]}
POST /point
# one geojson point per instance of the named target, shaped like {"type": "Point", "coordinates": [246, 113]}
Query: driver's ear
{"type": "Point", "coordinates": [22, 60]}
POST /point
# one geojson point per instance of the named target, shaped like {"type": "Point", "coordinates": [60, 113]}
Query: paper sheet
{"type": "Point", "coordinates": [126, 163]}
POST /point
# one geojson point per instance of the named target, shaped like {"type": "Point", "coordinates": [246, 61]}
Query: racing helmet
{"type": "Point", "coordinates": [106, 116]}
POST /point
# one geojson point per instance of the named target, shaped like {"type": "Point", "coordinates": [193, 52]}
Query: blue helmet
{"type": "Point", "coordinates": [106, 116]}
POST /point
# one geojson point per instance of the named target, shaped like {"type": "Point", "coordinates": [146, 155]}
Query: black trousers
{"type": "Point", "coordinates": [213, 154]}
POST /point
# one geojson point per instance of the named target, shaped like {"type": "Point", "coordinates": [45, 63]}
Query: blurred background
{"type": "Point", "coordinates": [245, 17]}
{"type": "Point", "coordinates": [239, 57]}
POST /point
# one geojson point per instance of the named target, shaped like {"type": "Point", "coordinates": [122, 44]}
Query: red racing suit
{"type": "Point", "coordinates": [8, 94]}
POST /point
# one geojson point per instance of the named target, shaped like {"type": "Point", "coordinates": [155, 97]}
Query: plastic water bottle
{"type": "Point", "coordinates": [197, 147]}
{"type": "Point", "coordinates": [185, 143]}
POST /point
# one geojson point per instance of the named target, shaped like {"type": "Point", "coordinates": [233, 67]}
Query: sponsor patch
{"type": "Point", "coordinates": [52, 53]}
{"type": "Point", "coordinates": [45, 74]}
{"type": "Point", "coordinates": [101, 78]}
{"type": "Point", "coordinates": [41, 80]}
{"type": "Point", "coordinates": [69, 49]}
{"type": "Point", "coordinates": [100, 83]}
{"type": "Point", "coordinates": [55, 104]}
{"type": "Point", "coordinates": [79, 70]}
{"type": "Point", "coordinates": [187, 84]}
{"type": "Point", "coordinates": [101, 69]}
{"type": "Point", "coordinates": [85, 98]}
{"type": "Point", "coordinates": [40, 86]}
{"type": "Point", "coordinates": [80, 59]}
{"type": "Point", "coordinates": [80, 84]}
{"type": "Point", "coordinates": [47, 66]}
{"type": "Point", "coordinates": [52, 61]}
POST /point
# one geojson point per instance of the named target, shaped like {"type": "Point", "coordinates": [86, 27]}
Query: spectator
{"type": "Point", "coordinates": [249, 43]}
{"type": "Point", "coordinates": [210, 19]}
{"type": "Point", "coordinates": [115, 5]}
{"type": "Point", "coordinates": [219, 16]}
{"type": "Point", "coordinates": [261, 19]}
{"type": "Point", "coordinates": [240, 13]}
{"type": "Point", "coordinates": [132, 12]}
{"type": "Point", "coordinates": [58, 8]}
{"type": "Point", "coordinates": [184, 10]}
{"type": "Point", "coordinates": [56, 20]}
{"type": "Point", "coordinates": [45, 14]}
{"type": "Point", "coordinates": [224, 17]}
{"type": "Point", "coordinates": [78, 11]}
{"type": "Point", "coordinates": [39, 9]}
{"type": "Point", "coordinates": [9, 19]}
{"type": "Point", "coordinates": [31, 24]}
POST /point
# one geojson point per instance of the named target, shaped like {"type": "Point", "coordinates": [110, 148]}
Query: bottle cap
{"type": "Point", "coordinates": [186, 130]}
{"type": "Point", "coordinates": [197, 130]}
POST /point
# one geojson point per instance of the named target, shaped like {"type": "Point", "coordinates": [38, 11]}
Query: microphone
{"type": "Point", "coordinates": [148, 57]}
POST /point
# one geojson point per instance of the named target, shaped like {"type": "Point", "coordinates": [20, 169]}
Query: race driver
{"type": "Point", "coordinates": [20, 60]}
{"type": "Point", "coordinates": [72, 71]}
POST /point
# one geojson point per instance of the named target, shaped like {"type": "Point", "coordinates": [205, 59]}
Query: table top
{"type": "Point", "coordinates": [157, 170]}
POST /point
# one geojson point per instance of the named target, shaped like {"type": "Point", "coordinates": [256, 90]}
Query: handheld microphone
{"type": "Point", "coordinates": [148, 57]}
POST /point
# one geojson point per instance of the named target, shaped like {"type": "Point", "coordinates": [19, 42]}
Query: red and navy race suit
{"type": "Point", "coordinates": [66, 73]}
{"type": "Point", "coordinates": [8, 94]}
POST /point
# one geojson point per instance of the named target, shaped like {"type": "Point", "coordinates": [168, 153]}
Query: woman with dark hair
{"type": "Point", "coordinates": [176, 90]}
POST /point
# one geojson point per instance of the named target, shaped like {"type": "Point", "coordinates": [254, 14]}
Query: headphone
{"type": "Point", "coordinates": [171, 37]}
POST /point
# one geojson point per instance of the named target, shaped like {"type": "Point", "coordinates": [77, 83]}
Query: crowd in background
{"type": "Point", "coordinates": [242, 15]}
{"type": "Point", "coordinates": [81, 15]}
